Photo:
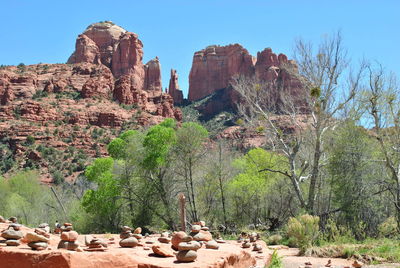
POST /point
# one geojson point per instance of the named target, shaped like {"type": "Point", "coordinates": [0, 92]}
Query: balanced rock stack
{"type": "Point", "coordinates": [69, 238]}
{"type": "Point", "coordinates": [13, 235]}
{"type": "Point", "coordinates": [96, 244]}
{"type": "Point", "coordinates": [127, 238]}
{"type": "Point", "coordinates": [164, 238]}
{"type": "Point", "coordinates": [187, 249]}
{"type": "Point", "coordinates": [45, 227]}
{"type": "Point", "coordinates": [177, 237]}
{"type": "Point", "coordinates": [38, 240]}
{"type": "Point", "coordinates": [200, 232]}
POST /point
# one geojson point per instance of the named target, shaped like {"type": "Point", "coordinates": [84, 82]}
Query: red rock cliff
{"type": "Point", "coordinates": [173, 88]}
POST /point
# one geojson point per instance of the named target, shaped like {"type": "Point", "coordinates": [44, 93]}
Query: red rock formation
{"type": "Point", "coordinates": [127, 57]}
{"type": "Point", "coordinates": [86, 50]}
{"type": "Point", "coordinates": [153, 75]}
{"type": "Point", "coordinates": [173, 88]}
{"type": "Point", "coordinates": [214, 66]}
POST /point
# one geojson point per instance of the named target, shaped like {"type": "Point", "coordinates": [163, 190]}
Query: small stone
{"type": "Point", "coordinates": [36, 245]}
{"type": "Point", "coordinates": [162, 250]}
{"type": "Point", "coordinates": [138, 230]}
{"type": "Point", "coordinates": [73, 245]}
{"type": "Point", "coordinates": [34, 237]}
{"type": "Point", "coordinates": [3, 245]}
{"type": "Point", "coordinates": [125, 234]}
{"type": "Point", "coordinates": [79, 249]}
{"type": "Point", "coordinates": [202, 236]}
{"type": "Point", "coordinates": [187, 238]}
{"type": "Point", "coordinates": [193, 245]}
{"type": "Point", "coordinates": [13, 219]}
{"type": "Point", "coordinates": [186, 256]}
{"type": "Point", "coordinates": [201, 223]}
{"type": "Point", "coordinates": [257, 247]}
{"type": "Point", "coordinates": [196, 228]}
{"type": "Point", "coordinates": [150, 242]}
{"type": "Point", "coordinates": [220, 241]}
{"type": "Point", "coordinates": [95, 249]}
{"type": "Point", "coordinates": [146, 248]}
{"type": "Point", "coordinates": [246, 245]}
{"type": "Point", "coordinates": [137, 236]}
{"type": "Point", "coordinates": [88, 238]}
{"type": "Point", "coordinates": [62, 244]}
{"type": "Point", "coordinates": [177, 238]}
{"type": "Point", "coordinates": [70, 236]}
{"type": "Point", "coordinates": [126, 228]}
{"type": "Point", "coordinates": [129, 242]}
{"type": "Point", "coordinates": [15, 226]}
{"type": "Point", "coordinates": [212, 244]}
{"type": "Point", "coordinates": [13, 243]}
{"type": "Point", "coordinates": [42, 232]}
{"type": "Point", "coordinates": [205, 228]}
{"type": "Point", "coordinates": [66, 228]}
{"type": "Point", "coordinates": [12, 234]}
{"type": "Point", "coordinates": [67, 224]}
{"type": "Point", "coordinates": [165, 234]}
{"type": "Point", "coordinates": [165, 240]}
{"type": "Point", "coordinates": [357, 264]}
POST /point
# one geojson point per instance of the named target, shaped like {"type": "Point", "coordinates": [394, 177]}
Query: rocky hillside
{"type": "Point", "coordinates": [58, 116]}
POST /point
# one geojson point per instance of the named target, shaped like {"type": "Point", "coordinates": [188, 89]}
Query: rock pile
{"type": "Point", "coordinates": [96, 244]}
{"type": "Point", "coordinates": [38, 240]}
{"type": "Point", "coordinates": [128, 240]}
{"type": "Point", "coordinates": [187, 249]}
{"type": "Point", "coordinates": [12, 235]}
{"type": "Point", "coordinates": [69, 238]}
{"type": "Point", "coordinates": [164, 238]}
{"type": "Point", "coordinates": [200, 232]}
{"type": "Point", "coordinates": [177, 238]}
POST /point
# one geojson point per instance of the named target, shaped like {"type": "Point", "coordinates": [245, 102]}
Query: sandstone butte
{"type": "Point", "coordinates": [213, 68]}
{"type": "Point", "coordinates": [229, 255]}
{"type": "Point", "coordinates": [103, 85]}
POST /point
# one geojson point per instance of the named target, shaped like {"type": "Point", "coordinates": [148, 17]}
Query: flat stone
{"type": "Point", "coordinates": [205, 228]}
{"type": "Point", "coordinates": [72, 245]}
{"type": "Point", "coordinates": [187, 238]}
{"type": "Point", "coordinates": [88, 238]}
{"type": "Point", "coordinates": [137, 236]}
{"type": "Point", "coordinates": [165, 240]}
{"type": "Point", "coordinates": [62, 244]}
{"type": "Point", "coordinates": [196, 228]}
{"type": "Point", "coordinates": [36, 245]}
{"type": "Point", "coordinates": [129, 242]}
{"type": "Point", "coordinates": [165, 234]}
{"type": "Point", "coordinates": [95, 249]}
{"type": "Point", "coordinates": [125, 234]}
{"type": "Point", "coordinates": [34, 237]}
{"type": "Point", "coordinates": [186, 256]}
{"type": "Point", "coordinates": [42, 232]}
{"type": "Point", "coordinates": [192, 245]}
{"type": "Point", "coordinates": [13, 243]}
{"type": "Point", "coordinates": [212, 244]}
{"type": "Point", "coordinates": [162, 250]}
{"type": "Point", "coordinates": [12, 234]}
{"type": "Point", "coordinates": [126, 228]}
{"type": "Point", "coordinates": [221, 241]}
{"type": "Point", "coordinates": [15, 226]}
{"type": "Point", "coordinates": [202, 236]}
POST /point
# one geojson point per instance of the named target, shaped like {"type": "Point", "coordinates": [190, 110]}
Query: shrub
{"type": "Point", "coordinates": [388, 228]}
{"type": "Point", "coordinates": [274, 239]}
{"type": "Point", "coordinates": [303, 231]}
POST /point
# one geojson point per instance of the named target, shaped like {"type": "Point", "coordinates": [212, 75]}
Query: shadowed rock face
{"type": "Point", "coordinates": [214, 67]}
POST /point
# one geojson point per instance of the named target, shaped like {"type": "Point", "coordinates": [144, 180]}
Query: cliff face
{"type": "Point", "coordinates": [104, 88]}
{"type": "Point", "coordinates": [173, 88]}
{"type": "Point", "coordinates": [214, 67]}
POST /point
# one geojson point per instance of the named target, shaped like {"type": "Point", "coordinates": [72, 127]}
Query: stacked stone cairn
{"type": "Point", "coordinates": [69, 238]}
{"type": "Point", "coordinates": [45, 227]}
{"type": "Point", "coordinates": [200, 232]}
{"type": "Point", "coordinates": [12, 234]}
{"type": "Point", "coordinates": [128, 240]}
{"type": "Point", "coordinates": [38, 240]}
{"type": "Point", "coordinates": [95, 244]}
{"type": "Point", "coordinates": [187, 249]}
{"type": "Point", "coordinates": [164, 238]}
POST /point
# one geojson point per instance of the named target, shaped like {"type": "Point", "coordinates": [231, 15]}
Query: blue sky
{"type": "Point", "coordinates": [45, 31]}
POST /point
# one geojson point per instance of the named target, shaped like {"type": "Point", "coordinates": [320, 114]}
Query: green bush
{"type": "Point", "coordinates": [276, 261]}
{"type": "Point", "coordinates": [274, 239]}
{"type": "Point", "coordinates": [388, 228]}
{"type": "Point", "coordinates": [303, 231]}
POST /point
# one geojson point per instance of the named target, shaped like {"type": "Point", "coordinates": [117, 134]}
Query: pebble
{"type": "Point", "coordinates": [192, 245]}
{"type": "Point", "coordinates": [138, 230]}
{"type": "Point", "coordinates": [196, 228]}
{"type": "Point", "coordinates": [13, 242]}
{"type": "Point", "coordinates": [38, 245]}
{"type": "Point", "coordinates": [129, 242]}
{"type": "Point", "coordinates": [165, 240]}
{"type": "Point", "coordinates": [212, 244]}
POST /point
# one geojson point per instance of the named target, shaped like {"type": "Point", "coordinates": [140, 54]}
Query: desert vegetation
{"type": "Point", "coordinates": [330, 185]}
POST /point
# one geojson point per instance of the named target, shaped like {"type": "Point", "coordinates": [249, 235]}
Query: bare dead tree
{"type": "Point", "coordinates": [311, 109]}
{"type": "Point", "coordinates": [383, 107]}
